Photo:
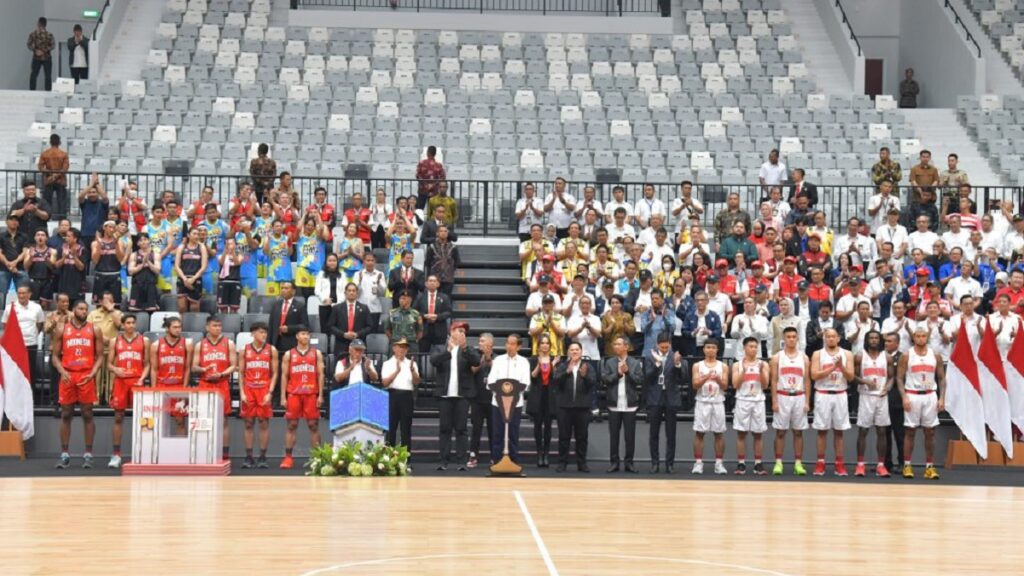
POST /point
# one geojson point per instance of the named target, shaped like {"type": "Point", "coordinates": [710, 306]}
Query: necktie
{"type": "Point", "coordinates": [284, 312]}
{"type": "Point", "coordinates": [351, 316]}
{"type": "Point", "coordinates": [430, 305]}
{"type": "Point", "coordinates": [405, 276]}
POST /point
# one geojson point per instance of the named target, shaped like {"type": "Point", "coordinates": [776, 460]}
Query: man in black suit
{"type": "Point", "coordinates": [574, 380]}
{"type": "Point", "coordinates": [350, 320]}
{"type": "Point", "coordinates": [623, 379]}
{"type": "Point", "coordinates": [435, 221]}
{"type": "Point", "coordinates": [801, 188]}
{"type": "Point", "coordinates": [664, 371]}
{"type": "Point", "coordinates": [287, 314]}
{"type": "Point", "coordinates": [405, 277]}
{"type": "Point", "coordinates": [436, 309]}
{"type": "Point", "coordinates": [454, 390]}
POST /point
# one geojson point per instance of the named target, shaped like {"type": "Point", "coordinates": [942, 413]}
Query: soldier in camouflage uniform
{"type": "Point", "coordinates": [404, 322]}
{"type": "Point", "coordinates": [263, 170]}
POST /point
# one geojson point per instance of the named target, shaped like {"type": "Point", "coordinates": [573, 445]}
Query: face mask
{"type": "Point", "coordinates": [666, 267]}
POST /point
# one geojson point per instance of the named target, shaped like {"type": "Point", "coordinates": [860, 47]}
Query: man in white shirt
{"type": "Point", "coordinates": [455, 386]}
{"type": "Point", "coordinates": [559, 206]}
{"type": "Point", "coordinates": [749, 324]}
{"type": "Point", "coordinates": [862, 247]}
{"type": "Point", "coordinates": [686, 207]}
{"type": "Point", "coordinates": [399, 376]}
{"type": "Point", "coordinates": [30, 320]}
{"type": "Point", "coordinates": [618, 229]}
{"type": "Point", "coordinates": [893, 232]}
{"type": "Point", "coordinates": [648, 206]}
{"type": "Point", "coordinates": [780, 208]}
{"type": "Point", "coordinates": [879, 206]}
{"type": "Point", "coordinates": [357, 367]}
{"type": "Point", "coordinates": [922, 238]}
{"type": "Point", "coordinates": [956, 236]}
{"type": "Point", "coordinates": [861, 325]}
{"type": "Point", "coordinates": [1014, 240]}
{"type": "Point", "coordinates": [533, 303]}
{"type": "Point", "coordinates": [658, 249]}
{"type": "Point", "coordinates": [646, 237]}
{"type": "Point", "coordinates": [900, 325]}
{"type": "Point", "coordinates": [588, 202]}
{"type": "Point", "coordinates": [372, 287]}
{"type": "Point", "coordinates": [529, 211]}
{"type": "Point", "coordinates": [585, 328]}
{"type": "Point", "coordinates": [963, 285]}
{"type": "Point", "coordinates": [773, 172]}
{"type": "Point", "coordinates": [718, 301]}
{"type": "Point", "coordinates": [512, 366]}
{"type": "Point", "coordinates": [618, 201]}
{"type": "Point", "coordinates": [846, 307]}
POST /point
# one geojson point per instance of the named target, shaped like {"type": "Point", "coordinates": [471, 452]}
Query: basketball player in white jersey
{"type": "Point", "coordinates": [920, 375]}
{"type": "Point", "coordinates": [875, 377]}
{"type": "Point", "coordinates": [750, 379]}
{"type": "Point", "coordinates": [831, 370]}
{"type": "Point", "coordinates": [791, 389]}
{"type": "Point", "coordinates": [710, 380]}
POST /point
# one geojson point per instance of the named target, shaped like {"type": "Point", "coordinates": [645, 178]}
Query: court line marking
{"type": "Point", "coordinates": [536, 534]}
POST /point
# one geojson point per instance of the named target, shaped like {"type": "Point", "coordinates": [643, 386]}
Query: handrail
{"type": "Point", "coordinates": [606, 7]}
{"type": "Point", "coordinates": [849, 27]}
{"type": "Point", "coordinates": [962, 24]}
{"type": "Point", "coordinates": [99, 20]}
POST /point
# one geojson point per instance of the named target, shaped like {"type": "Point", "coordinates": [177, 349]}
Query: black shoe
{"type": "Point", "coordinates": [631, 469]}
{"type": "Point", "coordinates": [583, 468]}
{"type": "Point", "coordinates": [442, 468]}
{"type": "Point", "coordinates": [741, 469]}
{"type": "Point", "coordinates": [262, 462]}
{"type": "Point", "coordinates": [462, 468]}
{"type": "Point", "coordinates": [248, 463]}
{"type": "Point", "coordinates": [560, 468]}
{"type": "Point", "coordinates": [655, 468]}
{"type": "Point", "coordinates": [759, 469]}
{"type": "Point", "coordinates": [668, 469]}
{"type": "Point", "coordinates": [613, 468]}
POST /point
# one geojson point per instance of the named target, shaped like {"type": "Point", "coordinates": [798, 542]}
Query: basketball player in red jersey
{"type": "Point", "coordinates": [169, 359]}
{"type": "Point", "coordinates": [214, 359]}
{"type": "Point", "coordinates": [129, 362]}
{"type": "Point", "coordinates": [77, 356]}
{"type": "Point", "coordinates": [257, 364]}
{"type": "Point", "coordinates": [302, 392]}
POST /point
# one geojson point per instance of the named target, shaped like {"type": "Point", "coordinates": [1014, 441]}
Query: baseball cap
{"type": "Point", "coordinates": [357, 343]}
{"type": "Point", "coordinates": [803, 285]}
{"type": "Point", "coordinates": [548, 257]}
{"type": "Point", "coordinates": [646, 275]}
{"type": "Point", "coordinates": [400, 342]}
{"type": "Point", "coordinates": [923, 272]}
{"type": "Point", "coordinates": [721, 262]}
{"type": "Point", "coordinates": [544, 279]}
{"type": "Point", "coordinates": [853, 282]}
{"type": "Point", "coordinates": [789, 260]}
{"type": "Point", "coordinates": [756, 264]}
{"type": "Point", "coordinates": [712, 277]}
{"type": "Point", "coordinates": [465, 325]}
{"type": "Point", "coordinates": [1002, 276]}
{"type": "Point", "coordinates": [547, 298]}
{"type": "Point", "coordinates": [760, 289]}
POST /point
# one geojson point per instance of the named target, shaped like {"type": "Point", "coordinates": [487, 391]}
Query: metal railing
{"type": "Point", "coordinates": [596, 7]}
{"type": "Point", "coordinates": [849, 26]}
{"type": "Point", "coordinates": [963, 25]}
{"type": "Point", "coordinates": [62, 46]}
{"type": "Point", "coordinates": [486, 207]}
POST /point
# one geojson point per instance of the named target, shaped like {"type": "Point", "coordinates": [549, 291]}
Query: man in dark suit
{"type": "Point", "coordinates": [436, 309]}
{"type": "Point", "coordinates": [480, 409]}
{"type": "Point", "coordinates": [405, 277]}
{"type": "Point", "coordinates": [287, 314]}
{"type": "Point", "coordinates": [801, 188]}
{"type": "Point", "coordinates": [574, 380]}
{"type": "Point", "coordinates": [350, 320]}
{"type": "Point", "coordinates": [435, 221]}
{"type": "Point", "coordinates": [454, 390]}
{"type": "Point", "coordinates": [664, 374]}
{"type": "Point", "coordinates": [622, 377]}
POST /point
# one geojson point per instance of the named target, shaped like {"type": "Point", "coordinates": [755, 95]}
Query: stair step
{"type": "Point", "coordinates": [488, 308]}
{"type": "Point", "coordinates": [488, 276]}
{"type": "Point", "coordinates": [499, 326]}
{"type": "Point", "coordinates": [489, 292]}
{"type": "Point", "coordinates": [489, 254]}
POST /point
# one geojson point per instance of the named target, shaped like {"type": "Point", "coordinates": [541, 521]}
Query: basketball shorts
{"type": "Point", "coordinates": [872, 411]}
{"type": "Point", "coordinates": [831, 411]}
{"type": "Point", "coordinates": [302, 406]}
{"type": "Point", "coordinates": [253, 406]}
{"type": "Point", "coordinates": [80, 388]}
{"type": "Point", "coordinates": [193, 294]}
{"type": "Point", "coordinates": [121, 395]}
{"type": "Point", "coordinates": [792, 414]}
{"type": "Point", "coordinates": [106, 282]}
{"type": "Point", "coordinates": [166, 278]}
{"type": "Point", "coordinates": [229, 293]}
{"type": "Point", "coordinates": [304, 279]}
{"type": "Point", "coordinates": [709, 417]}
{"type": "Point", "coordinates": [749, 416]}
{"type": "Point", "coordinates": [924, 411]}
{"type": "Point", "coordinates": [223, 388]}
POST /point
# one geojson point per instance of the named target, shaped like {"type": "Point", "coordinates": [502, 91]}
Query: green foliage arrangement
{"type": "Point", "coordinates": [355, 459]}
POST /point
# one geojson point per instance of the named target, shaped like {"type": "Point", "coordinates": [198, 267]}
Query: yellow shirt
{"type": "Point", "coordinates": [539, 319]}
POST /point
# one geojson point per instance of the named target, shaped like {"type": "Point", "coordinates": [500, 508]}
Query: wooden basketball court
{"type": "Point", "coordinates": [303, 526]}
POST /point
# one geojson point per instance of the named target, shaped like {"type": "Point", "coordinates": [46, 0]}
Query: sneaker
{"type": "Point", "coordinates": [698, 467]}
{"type": "Point", "coordinates": [760, 471]}
{"type": "Point", "coordinates": [741, 469]}
{"type": "Point", "coordinates": [908, 471]}
{"type": "Point", "coordinates": [860, 471]}
{"type": "Point", "coordinates": [840, 469]}
{"type": "Point", "coordinates": [248, 463]}
{"type": "Point", "coordinates": [882, 472]}
{"type": "Point", "coordinates": [287, 462]}
{"type": "Point", "coordinates": [798, 468]}
{"type": "Point", "coordinates": [115, 461]}
{"type": "Point", "coordinates": [473, 462]}
{"type": "Point", "coordinates": [819, 468]}
{"type": "Point", "coordinates": [930, 473]}
{"type": "Point", "coordinates": [720, 468]}
{"type": "Point", "coordinates": [262, 462]}
{"type": "Point", "coordinates": [64, 462]}
{"type": "Point", "coordinates": [777, 469]}
{"type": "Point", "coordinates": [87, 460]}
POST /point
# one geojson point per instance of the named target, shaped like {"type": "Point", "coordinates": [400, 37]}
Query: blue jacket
{"type": "Point", "coordinates": [910, 273]}
{"type": "Point", "coordinates": [689, 317]}
{"type": "Point", "coordinates": [652, 324]}
{"type": "Point", "coordinates": [811, 304]}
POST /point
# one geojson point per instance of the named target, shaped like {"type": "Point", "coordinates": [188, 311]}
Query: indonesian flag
{"type": "Point", "coordinates": [1015, 377]}
{"type": "Point", "coordinates": [963, 393]}
{"type": "Point", "coordinates": [994, 394]}
{"type": "Point", "coordinates": [15, 378]}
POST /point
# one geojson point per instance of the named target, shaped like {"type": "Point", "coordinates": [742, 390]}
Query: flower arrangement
{"type": "Point", "coordinates": [355, 459]}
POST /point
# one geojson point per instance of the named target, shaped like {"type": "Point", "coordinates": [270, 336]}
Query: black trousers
{"type": "Point", "coordinates": [56, 195]}
{"type": "Point", "coordinates": [573, 423]}
{"type": "Point", "coordinates": [79, 74]}
{"type": "Point", "coordinates": [454, 413]}
{"type": "Point", "coordinates": [498, 434]}
{"type": "Point", "coordinates": [542, 421]}
{"type": "Point", "coordinates": [377, 239]}
{"type": "Point", "coordinates": [400, 406]}
{"type": "Point", "coordinates": [895, 439]}
{"type": "Point", "coordinates": [47, 67]}
{"type": "Point", "coordinates": [106, 282]}
{"type": "Point", "coordinates": [478, 413]}
{"type": "Point", "coordinates": [655, 416]}
{"type": "Point", "coordinates": [616, 421]}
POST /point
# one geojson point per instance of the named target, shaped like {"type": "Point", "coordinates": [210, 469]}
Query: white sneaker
{"type": "Point", "coordinates": [115, 462]}
{"type": "Point", "coordinates": [698, 467]}
{"type": "Point", "coordinates": [720, 468]}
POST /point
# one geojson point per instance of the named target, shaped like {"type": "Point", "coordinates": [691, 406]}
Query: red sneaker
{"type": "Point", "coordinates": [860, 471]}
{"type": "Point", "coordinates": [287, 462]}
{"type": "Point", "coordinates": [881, 471]}
{"type": "Point", "coordinates": [841, 469]}
{"type": "Point", "coordinates": [819, 468]}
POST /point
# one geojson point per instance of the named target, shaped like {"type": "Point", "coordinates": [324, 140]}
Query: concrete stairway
{"type": "Point", "coordinates": [941, 132]}
{"type": "Point", "coordinates": [819, 52]}
{"type": "Point", "coordinates": [134, 38]}
{"type": "Point", "coordinates": [20, 107]}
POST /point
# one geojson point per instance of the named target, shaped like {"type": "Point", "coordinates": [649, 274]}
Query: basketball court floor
{"type": "Point", "coordinates": [539, 526]}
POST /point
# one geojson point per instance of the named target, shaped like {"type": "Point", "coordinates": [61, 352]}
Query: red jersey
{"type": "Point", "coordinates": [134, 209]}
{"type": "Point", "coordinates": [326, 216]}
{"type": "Point", "coordinates": [302, 376]}
{"type": "Point", "coordinates": [257, 366]}
{"type": "Point", "coordinates": [78, 346]}
{"type": "Point", "coordinates": [129, 355]}
{"type": "Point", "coordinates": [170, 369]}
{"type": "Point", "coordinates": [361, 215]}
{"type": "Point", "coordinates": [198, 213]}
{"type": "Point", "coordinates": [788, 285]}
{"type": "Point", "coordinates": [216, 355]}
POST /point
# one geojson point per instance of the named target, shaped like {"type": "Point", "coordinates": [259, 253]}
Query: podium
{"type": "Point", "coordinates": [177, 431]}
{"type": "Point", "coordinates": [358, 412]}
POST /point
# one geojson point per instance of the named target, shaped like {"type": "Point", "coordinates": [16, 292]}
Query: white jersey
{"type": "Point", "coordinates": [834, 380]}
{"type": "Point", "coordinates": [791, 372]}
{"type": "Point", "coordinates": [874, 370]}
{"type": "Point", "coordinates": [749, 388]}
{"type": "Point", "coordinates": [711, 392]}
{"type": "Point", "coordinates": [920, 372]}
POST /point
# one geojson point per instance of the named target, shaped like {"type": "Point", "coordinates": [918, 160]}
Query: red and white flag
{"type": "Point", "coordinates": [993, 390]}
{"type": "Point", "coordinates": [15, 378]}
{"type": "Point", "coordinates": [1015, 377]}
{"type": "Point", "coordinates": [963, 393]}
